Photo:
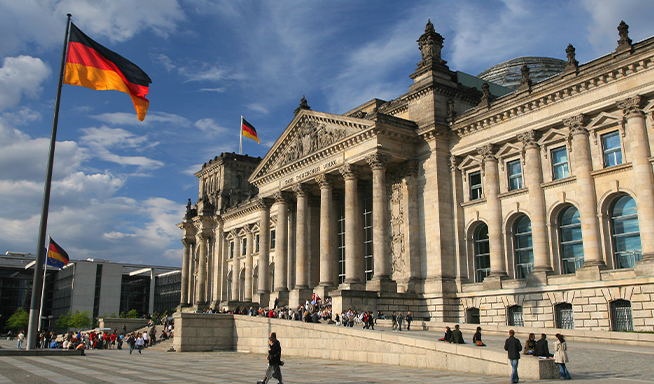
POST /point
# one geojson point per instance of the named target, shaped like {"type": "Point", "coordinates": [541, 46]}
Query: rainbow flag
{"type": "Point", "coordinates": [56, 256]}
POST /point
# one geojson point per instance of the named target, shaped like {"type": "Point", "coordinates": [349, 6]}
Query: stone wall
{"type": "Point", "coordinates": [207, 332]}
{"type": "Point", "coordinates": [117, 323]}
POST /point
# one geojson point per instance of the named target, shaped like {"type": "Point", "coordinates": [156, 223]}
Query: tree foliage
{"type": "Point", "coordinates": [132, 314]}
{"type": "Point", "coordinates": [19, 320]}
{"type": "Point", "coordinates": [78, 320]}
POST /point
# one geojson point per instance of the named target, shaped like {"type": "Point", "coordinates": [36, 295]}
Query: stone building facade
{"type": "Point", "coordinates": [535, 208]}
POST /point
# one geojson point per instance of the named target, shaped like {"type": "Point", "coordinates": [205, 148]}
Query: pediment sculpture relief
{"type": "Point", "coordinates": [310, 137]}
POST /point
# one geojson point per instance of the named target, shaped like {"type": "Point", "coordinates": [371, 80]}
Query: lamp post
{"type": "Point", "coordinates": [50, 317]}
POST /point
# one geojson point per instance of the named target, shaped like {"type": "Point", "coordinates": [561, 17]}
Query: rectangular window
{"type": "Point", "coordinates": [560, 163]}
{"type": "Point", "coordinates": [367, 237]}
{"type": "Point", "coordinates": [256, 244]}
{"type": "Point", "coordinates": [244, 244]}
{"type": "Point", "coordinates": [231, 249]}
{"type": "Point", "coordinates": [341, 240]}
{"type": "Point", "coordinates": [611, 148]}
{"type": "Point", "coordinates": [515, 175]}
{"type": "Point", "coordinates": [474, 180]}
{"type": "Point", "coordinates": [272, 239]}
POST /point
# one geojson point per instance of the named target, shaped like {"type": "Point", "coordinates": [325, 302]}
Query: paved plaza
{"type": "Point", "coordinates": [590, 363]}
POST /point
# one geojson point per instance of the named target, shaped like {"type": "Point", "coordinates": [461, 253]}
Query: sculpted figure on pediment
{"type": "Point", "coordinates": [310, 137]}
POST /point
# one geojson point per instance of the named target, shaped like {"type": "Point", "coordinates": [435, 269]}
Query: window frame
{"type": "Point", "coordinates": [611, 151]}
{"type": "Point", "coordinates": [514, 176]}
{"type": "Point", "coordinates": [474, 189]}
{"type": "Point", "coordinates": [516, 235]}
{"type": "Point", "coordinates": [555, 165]}
{"type": "Point", "coordinates": [480, 273]}
{"type": "Point", "coordinates": [567, 243]}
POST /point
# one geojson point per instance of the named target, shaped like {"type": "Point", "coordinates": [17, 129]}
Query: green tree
{"type": "Point", "coordinates": [19, 320]}
{"type": "Point", "coordinates": [80, 320]}
{"type": "Point", "coordinates": [132, 314]}
{"type": "Point", "coordinates": [63, 321]}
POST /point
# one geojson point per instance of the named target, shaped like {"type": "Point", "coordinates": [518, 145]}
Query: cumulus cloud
{"type": "Point", "coordinates": [209, 126]}
{"type": "Point", "coordinates": [103, 140]}
{"type": "Point", "coordinates": [20, 76]}
{"type": "Point", "coordinates": [153, 118]}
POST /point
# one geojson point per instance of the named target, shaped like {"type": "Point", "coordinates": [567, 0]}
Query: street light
{"type": "Point", "coordinates": [50, 317]}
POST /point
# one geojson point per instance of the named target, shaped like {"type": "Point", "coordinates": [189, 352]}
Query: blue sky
{"type": "Point", "coordinates": [121, 185]}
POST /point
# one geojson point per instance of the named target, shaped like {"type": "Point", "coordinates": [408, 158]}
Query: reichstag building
{"type": "Point", "coordinates": [523, 196]}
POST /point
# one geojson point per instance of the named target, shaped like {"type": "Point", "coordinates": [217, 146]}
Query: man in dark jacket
{"type": "Point", "coordinates": [542, 349]}
{"type": "Point", "coordinates": [274, 360]}
{"type": "Point", "coordinates": [513, 346]}
{"type": "Point", "coordinates": [457, 336]}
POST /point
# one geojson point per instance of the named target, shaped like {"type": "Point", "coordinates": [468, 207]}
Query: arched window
{"type": "Point", "coordinates": [621, 320]}
{"type": "Point", "coordinates": [514, 316]}
{"type": "Point", "coordinates": [564, 316]}
{"type": "Point", "coordinates": [482, 253]}
{"type": "Point", "coordinates": [570, 240]}
{"type": "Point", "coordinates": [626, 234]}
{"type": "Point", "coordinates": [523, 247]}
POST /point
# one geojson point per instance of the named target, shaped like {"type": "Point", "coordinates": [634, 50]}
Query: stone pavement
{"type": "Point", "coordinates": [590, 363]}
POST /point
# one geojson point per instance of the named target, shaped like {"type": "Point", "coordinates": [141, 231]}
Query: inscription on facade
{"type": "Point", "coordinates": [313, 171]}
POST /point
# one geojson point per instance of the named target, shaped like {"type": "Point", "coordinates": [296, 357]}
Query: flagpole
{"type": "Point", "coordinates": [240, 138]}
{"type": "Point", "coordinates": [45, 270]}
{"type": "Point", "coordinates": [32, 332]}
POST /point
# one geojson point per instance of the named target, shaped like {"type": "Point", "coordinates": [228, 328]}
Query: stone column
{"type": "Point", "coordinates": [585, 189]}
{"type": "Point", "coordinates": [643, 176]}
{"type": "Point", "coordinates": [236, 269]}
{"type": "Point", "coordinates": [281, 236]}
{"type": "Point", "coordinates": [494, 212]}
{"type": "Point", "coordinates": [381, 280]}
{"type": "Point", "coordinates": [218, 263]}
{"type": "Point", "coordinates": [188, 243]}
{"type": "Point", "coordinates": [225, 269]}
{"type": "Point", "coordinates": [201, 295]}
{"type": "Point", "coordinates": [327, 245]}
{"type": "Point", "coordinates": [353, 248]}
{"type": "Point", "coordinates": [247, 292]}
{"type": "Point", "coordinates": [301, 238]}
{"type": "Point", "coordinates": [462, 269]}
{"type": "Point", "coordinates": [264, 249]}
{"type": "Point", "coordinates": [533, 180]}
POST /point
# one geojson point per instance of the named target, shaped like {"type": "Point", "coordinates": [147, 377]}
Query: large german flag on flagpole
{"type": "Point", "coordinates": [56, 256]}
{"type": "Point", "coordinates": [91, 65]}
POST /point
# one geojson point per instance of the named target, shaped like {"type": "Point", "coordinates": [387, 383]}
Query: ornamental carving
{"type": "Point", "coordinates": [325, 181]}
{"type": "Point", "coordinates": [281, 197]}
{"type": "Point", "coordinates": [576, 124]}
{"type": "Point", "coordinates": [377, 161]}
{"type": "Point", "coordinates": [623, 32]}
{"type": "Point", "coordinates": [430, 44]}
{"type": "Point", "coordinates": [487, 152]}
{"type": "Point", "coordinates": [630, 107]}
{"type": "Point", "coordinates": [300, 190]}
{"type": "Point", "coordinates": [349, 171]}
{"type": "Point", "coordinates": [528, 139]}
{"type": "Point", "coordinates": [396, 226]}
{"type": "Point", "coordinates": [309, 137]}
{"type": "Point", "coordinates": [572, 62]}
{"type": "Point", "coordinates": [454, 162]}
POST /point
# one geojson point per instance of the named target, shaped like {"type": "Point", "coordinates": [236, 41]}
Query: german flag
{"type": "Point", "coordinates": [90, 65]}
{"type": "Point", "coordinates": [56, 257]}
{"type": "Point", "coordinates": [249, 131]}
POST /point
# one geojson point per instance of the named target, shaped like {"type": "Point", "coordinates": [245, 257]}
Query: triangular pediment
{"type": "Point", "coordinates": [554, 135]}
{"type": "Point", "coordinates": [470, 161]}
{"type": "Point", "coordinates": [507, 150]}
{"type": "Point", "coordinates": [310, 132]}
{"type": "Point", "coordinates": [603, 119]}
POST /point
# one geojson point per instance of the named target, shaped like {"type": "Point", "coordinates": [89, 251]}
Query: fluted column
{"type": "Point", "coordinates": [201, 292]}
{"type": "Point", "coordinates": [533, 180]}
{"type": "Point", "coordinates": [281, 250]}
{"type": "Point", "coordinates": [585, 186]}
{"type": "Point", "coordinates": [327, 254]}
{"type": "Point", "coordinates": [494, 211]}
{"type": "Point", "coordinates": [301, 238]}
{"type": "Point", "coordinates": [225, 268]}
{"type": "Point", "coordinates": [642, 172]}
{"type": "Point", "coordinates": [264, 246]}
{"type": "Point", "coordinates": [218, 263]}
{"type": "Point", "coordinates": [353, 249]}
{"type": "Point", "coordinates": [381, 253]}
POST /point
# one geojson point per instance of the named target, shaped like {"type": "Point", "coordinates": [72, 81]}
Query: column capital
{"type": "Point", "coordinates": [576, 124]}
{"type": "Point", "coordinates": [300, 190]}
{"type": "Point", "coordinates": [264, 203]}
{"type": "Point", "coordinates": [204, 236]}
{"type": "Point", "coordinates": [325, 181]}
{"type": "Point", "coordinates": [631, 106]}
{"type": "Point", "coordinates": [349, 171]}
{"type": "Point", "coordinates": [377, 161]}
{"type": "Point", "coordinates": [188, 242]}
{"type": "Point", "coordinates": [528, 139]}
{"type": "Point", "coordinates": [281, 197]}
{"type": "Point", "coordinates": [487, 152]}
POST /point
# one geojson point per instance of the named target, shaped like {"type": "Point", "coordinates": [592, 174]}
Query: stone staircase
{"type": "Point", "coordinates": [165, 346]}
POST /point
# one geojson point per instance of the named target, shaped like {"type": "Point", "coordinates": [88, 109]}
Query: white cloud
{"type": "Point", "coordinates": [21, 116]}
{"type": "Point", "coordinates": [218, 90]}
{"type": "Point", "coordinates": [101, 140]}
{"type": "Point", "coordinates": [152, 118]}
{"type": "Point", "coordinates": [20, 76]}
{"type": "Point", "coordinates": [258, 108]}
{"type": "Point", "coordinates": [209, 126]}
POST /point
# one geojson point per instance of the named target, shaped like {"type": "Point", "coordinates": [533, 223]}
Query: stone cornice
{"type": "Point", "coordinates": [590, 76]}
{"type": "Point", "coordinates": [400, 105]}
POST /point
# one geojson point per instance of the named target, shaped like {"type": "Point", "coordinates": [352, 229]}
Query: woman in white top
{"type": "Point", "coordinates": [561, 356]}
{"type": "Point", "coordinates": [140, 342]}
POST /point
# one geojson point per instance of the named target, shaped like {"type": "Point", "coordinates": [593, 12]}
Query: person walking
{"type": "Point", "coordinates": [21, 338]}
{"type": "Point", "coordinates": [513, 347]}
{"type": "Point", "coordinates": [394, 321]}
{"type": "Point", "coordinates": [274, 360]}
{"type": "Point", "coordinates": [400, 320]}
{"type": "Point", "coordinates": [408, 319]}
{"type": "Point", "coordinates": [140, 342]}
{"type": "Point", "coordinates": [561, 356]}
